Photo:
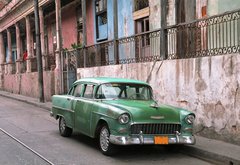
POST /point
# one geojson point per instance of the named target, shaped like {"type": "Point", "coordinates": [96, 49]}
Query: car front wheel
{"type": "Point", "coordinates": [106, 146]}
{"type": "Point", "coordinates": [63, 129]}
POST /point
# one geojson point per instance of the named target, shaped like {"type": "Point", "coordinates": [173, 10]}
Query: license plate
{"type": "Point", "coordinates": [160, 140]}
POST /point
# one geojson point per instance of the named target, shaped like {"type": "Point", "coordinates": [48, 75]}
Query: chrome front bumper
{"type": "Point", "coordinates": [140, 139]}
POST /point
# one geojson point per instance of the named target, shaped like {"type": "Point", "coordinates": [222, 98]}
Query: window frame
{"type": "Point", "coordinates": [99, 14]}
{"type": "Point", "coordinates": [84, 91]}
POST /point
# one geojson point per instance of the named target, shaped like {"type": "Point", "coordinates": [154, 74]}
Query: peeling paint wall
{"type": "Point", "coordinates": [27, 84]}
{"type": "Point", "coordinates": [90, 24]}
{"type": "Point", "coordinates": [69, 21]}
{"type": "Point", "coordinates": [208, 86]}
{"type": "Point", "coordinates": [125, 18]}
{"type": "Point", "coordinates": [219, 6]}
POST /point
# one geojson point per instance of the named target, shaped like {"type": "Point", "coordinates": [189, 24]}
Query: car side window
{"type": "Point", "coordinates": [88, 93]}
{"type": "Point", "coordinates": [78, 90]}
{"type": "Point", "coordinates": [71, 91]}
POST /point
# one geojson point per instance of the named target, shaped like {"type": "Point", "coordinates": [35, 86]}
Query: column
{"type": "Point", "coordinates": [2, 53]}
{"type": "Point", "coordinates": [29, 44]}
{"type": "Point", "coordinates": [9, 41]}
{"type": "Point", "coordinates": [44, 55]}
{"type": "Point", "coordinates": [58, 69]}
{"type": "Point", "coordinates": [2, 59]}
{"type": "Point", "coordinates": [18, 42]}
{"type": "Point", "coordinates": [84, 31]}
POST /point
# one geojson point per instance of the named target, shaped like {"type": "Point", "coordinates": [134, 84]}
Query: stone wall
{"type": "Point", "coordinates": [27, 84]}
{"type": "Point", "coordinates": [208, 86]}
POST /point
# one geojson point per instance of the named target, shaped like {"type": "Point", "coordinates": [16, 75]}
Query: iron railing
{"type": "Point", "coordinates": [215, 35]}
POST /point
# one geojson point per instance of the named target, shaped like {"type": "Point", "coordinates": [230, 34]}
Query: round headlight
{"type": "Point", "coordinates": [190, 119]}
{"type": "Point", "coordinates": [123, 119]}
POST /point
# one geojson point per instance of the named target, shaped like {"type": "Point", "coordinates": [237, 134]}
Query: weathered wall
{"type": "Point", "coordinates": [69, 26]}
{"type": "Point", "coordinates": [218, 6]}
{"type": "Point", "coordinates": [125, 19]}
{"type": "Point", "coordinates": [51, 32]}
{"type": "Point", "coordinates": [27, 84]}
{"type": "Point", "coordinates": [90, 24]}
{"type": "Point", "coordinates": [208, 86]}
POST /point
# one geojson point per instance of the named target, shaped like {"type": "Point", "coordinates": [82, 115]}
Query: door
{"type": "Point", "coordinates": [83, 108]}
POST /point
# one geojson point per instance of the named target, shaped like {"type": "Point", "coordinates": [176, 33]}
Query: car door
{"type": "Point", "coordinates": [66, 105]}
{"type": "Point", "coordinates": [83, 107]}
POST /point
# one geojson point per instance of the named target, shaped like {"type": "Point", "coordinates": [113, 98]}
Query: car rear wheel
{"type": "Point", "coordinates": [106, 146]}
{"type": "Point", "coordinates": [64, 130]}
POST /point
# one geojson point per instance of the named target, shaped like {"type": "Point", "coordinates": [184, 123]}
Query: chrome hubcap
{"type": "Point", "coordinates": [104, 139]}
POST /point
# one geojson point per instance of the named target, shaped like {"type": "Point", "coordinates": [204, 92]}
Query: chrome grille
{"type": "Point", "coordinates": [161, 129]}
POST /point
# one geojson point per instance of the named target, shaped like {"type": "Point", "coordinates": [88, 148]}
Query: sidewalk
{"type": "Point", "coordinates": [212, 150]}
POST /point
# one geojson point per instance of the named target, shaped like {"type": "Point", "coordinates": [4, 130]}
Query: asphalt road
{"type": "Point", "coordinates": [36, 129]}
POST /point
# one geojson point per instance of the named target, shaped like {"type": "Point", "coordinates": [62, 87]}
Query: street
{"type": "Point", "coordinates": [36, 129]}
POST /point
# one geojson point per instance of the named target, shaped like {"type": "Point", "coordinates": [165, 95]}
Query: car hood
{"type": "Point", "coordinates": [145, 111]}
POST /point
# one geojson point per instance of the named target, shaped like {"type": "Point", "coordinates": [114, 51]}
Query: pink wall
{"type": "Point", "coordinates": [50, 22]}
{"type": "Point", "coordinates": [90, 23]}
{"type": "Point", "coordinates": [69, 26]}
{"type": "Point", "coordinates": [23, 84]}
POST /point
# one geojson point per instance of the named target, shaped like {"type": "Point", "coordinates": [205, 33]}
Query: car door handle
{"type": "Point", "coordinates": [68, 99]}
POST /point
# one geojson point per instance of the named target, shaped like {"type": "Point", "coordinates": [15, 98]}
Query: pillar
{"type": "Point", "coordinates": [42, 38]}
{"type": "Point", "coordinates": [29, 44]}
{"type": "Point", "coordinates": [115, 16]}
{"type": "Point", "coordinates": [18, 42]}
{"type": "Point", "coordinates": [58, 69]}
{"type": "Point", "coordinates": [84, 15]}
{"type": "Point", "coordinates": [2, 60]}
{"type": "Point", "coordinates": [2, 54]}
{"type": "Point", "coordinates": [10, 62]}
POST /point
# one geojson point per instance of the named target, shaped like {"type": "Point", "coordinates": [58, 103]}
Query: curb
{"type": "Point", "coordinates": [40, 105]}
{"type": "Point", "coordinates": [209, 156]}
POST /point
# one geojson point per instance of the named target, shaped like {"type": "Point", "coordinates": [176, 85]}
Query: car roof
{"type": "Point", "coordinates": [103, 80]}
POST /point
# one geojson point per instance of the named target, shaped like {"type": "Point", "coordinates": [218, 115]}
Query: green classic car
{"type": "Point", "coordinates": [120, 112]}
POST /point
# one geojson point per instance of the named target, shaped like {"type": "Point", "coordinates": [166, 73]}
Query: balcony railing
{"type": "Point", "coordinates": [217, 35]}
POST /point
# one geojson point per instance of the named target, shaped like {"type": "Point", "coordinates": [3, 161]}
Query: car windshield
{"type": "Point", "coordinates": [124, 91]}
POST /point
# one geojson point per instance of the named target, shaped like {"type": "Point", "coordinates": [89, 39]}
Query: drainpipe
{"type": "Point", "coordinates": [38, 52]}
{"type": "Point", "coordinates": [115, 9]}
{"type": "Point", "coordinates": [163, 37]}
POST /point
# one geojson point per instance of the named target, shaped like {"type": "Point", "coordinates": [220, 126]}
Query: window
{"type": "Point", "coordinates": [143, 44]}
{"type": "Point", "coordinates": [101, 19]}
{"type": "Point", "coordinates": [141, 17]}
{"type": "Point", "coordinates": [88, 91]}
{"type": "Point", "coordinates": [143, 26]}
{"type": "Point", "coordinates": [71, 91]}
{"type": "Point", "coordinates": [124, 91]}
{"type": "Point", "coordinates": [78, 91]}
{"type": "Point", "coordinates": [140, 4]}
